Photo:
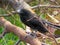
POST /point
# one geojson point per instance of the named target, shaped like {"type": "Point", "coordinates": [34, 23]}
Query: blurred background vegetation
{"type": "Point", "coordinates": [11, 39]}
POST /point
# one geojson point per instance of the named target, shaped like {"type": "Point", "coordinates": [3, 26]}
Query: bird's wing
{"type": "Point", "coordinates": [36, 24]}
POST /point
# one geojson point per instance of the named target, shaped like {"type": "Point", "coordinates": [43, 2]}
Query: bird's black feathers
{"type": "Point", "coordinates": [30, 19]}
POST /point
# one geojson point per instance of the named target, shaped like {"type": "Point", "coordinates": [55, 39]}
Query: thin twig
{"type": "Point", "coordinates": [49, 6]}
{"type": "Point", "coordinates": [3, 33]}
{"type": "Point", "coordinates": [17, 43]}
{"type": "Point", "coordinates": [52, 36]}
{"type": "Point", "coordinates": [54, 19]}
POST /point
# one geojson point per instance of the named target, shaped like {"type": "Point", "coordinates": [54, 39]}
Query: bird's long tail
{"type": "Point", "coordinates": [51, 25]}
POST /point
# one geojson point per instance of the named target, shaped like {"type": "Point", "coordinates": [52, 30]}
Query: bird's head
{"type": "Point", "coordinates": [24, 12]}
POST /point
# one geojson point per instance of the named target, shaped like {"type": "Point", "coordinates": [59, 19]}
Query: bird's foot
{"type": "Point", "coordinates": [33, 34]}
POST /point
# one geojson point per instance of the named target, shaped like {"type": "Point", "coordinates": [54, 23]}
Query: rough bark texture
{"type": "Point", "coordinates": [19, 32]}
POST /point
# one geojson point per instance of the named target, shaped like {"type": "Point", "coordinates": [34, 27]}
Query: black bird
{"type": "Point", "coordinates": [32, 20]}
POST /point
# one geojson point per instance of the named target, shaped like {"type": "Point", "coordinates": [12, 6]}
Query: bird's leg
{"type": "Point", "coordinates": [30, 32]}
{"type": "Point", "coordinates": [33, 34]}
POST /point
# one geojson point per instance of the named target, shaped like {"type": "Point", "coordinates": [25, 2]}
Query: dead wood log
{"type": "Point", "coordinates": [19, 32]}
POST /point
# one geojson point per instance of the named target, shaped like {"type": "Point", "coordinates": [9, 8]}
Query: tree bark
{"type": "Point", "coordinates": [19, 32]}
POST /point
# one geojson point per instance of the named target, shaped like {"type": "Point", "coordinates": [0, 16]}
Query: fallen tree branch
{"type": "Point", "coordinates": [19, 32]}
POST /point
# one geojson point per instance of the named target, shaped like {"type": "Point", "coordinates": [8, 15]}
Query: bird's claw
{"type": "Point", "coordinates": [31, 34]}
